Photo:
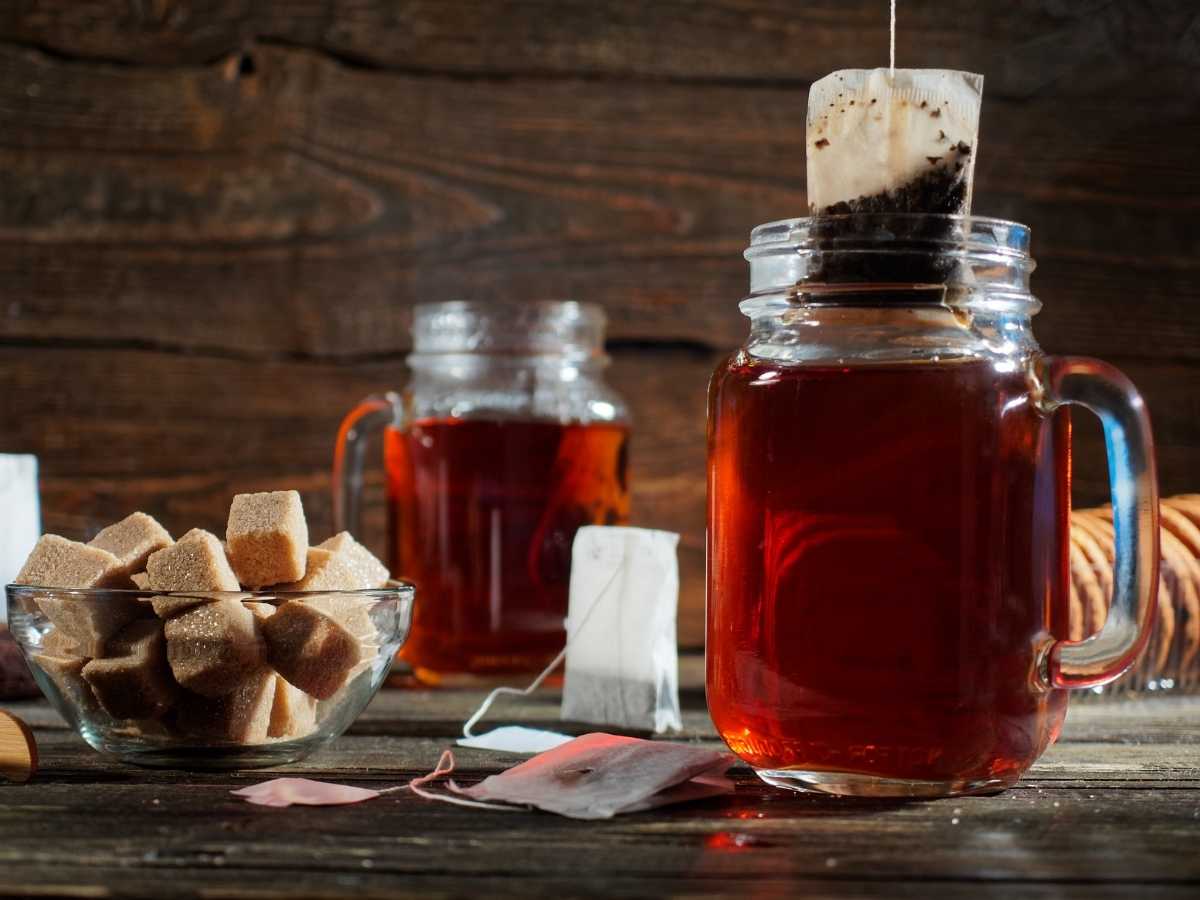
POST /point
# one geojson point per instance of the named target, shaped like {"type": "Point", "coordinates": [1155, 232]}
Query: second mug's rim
{"type": "Point", "coordinates": [584, 307]}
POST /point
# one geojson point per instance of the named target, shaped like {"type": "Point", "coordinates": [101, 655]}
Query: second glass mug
{"type": "Point", "coordinates": [889, 491]}
{"type": "Point", "coordinates": [505, 440]}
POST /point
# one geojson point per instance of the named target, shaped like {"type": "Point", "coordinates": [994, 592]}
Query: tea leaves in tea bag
{"type": "Point", "coordinates": [883, 145]}
{"type": "Point", "coordinates": [622, 659]}
{"type": "Point", "coordinates": [902, 142]}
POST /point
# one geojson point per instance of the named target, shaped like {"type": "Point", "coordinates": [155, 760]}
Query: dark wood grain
{"type": "Point", "coordinates": [1024, 47]}
{"type": "Point", "coordinates": [215, 217]}
{"type": "Point", "coordinates": [337, 197]}
{"type": "Point", "coordinates": [1107, 811]}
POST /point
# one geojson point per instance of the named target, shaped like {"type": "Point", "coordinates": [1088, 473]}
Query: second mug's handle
{"type": "Point", "coordinates": [373, 414]}
{"type": "Point", "coordinates": [1099, 387]}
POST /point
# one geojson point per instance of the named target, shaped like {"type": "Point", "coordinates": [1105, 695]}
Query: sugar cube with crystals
{"type": "Point", "coordinates": [327, 571]}
{"type": "Point", "coordinates": [140, 580]}
{"type": "Point", "coordinates": [242, 716]}
{"type": "Point", "coordinates": [372, 573]}
{"type": "Point", "coordinates": [267, 538]}
{"type": "Point", "coordinates": [352, 613]}
{"type": "Point", "coordinates": [622, 661]}
{"type": "Point", "coordinates": [132, 540]}
{"type": "Point", "coordinates": [58, 643]}
{"type": "Point", "coordinates": [259, 609]}
{"type": "Point", "coordinates": [309, 649]}
{"type": "Point", "coordinates": [66, 674]}
{"type": "Point", "coordinates": [196, 562]}
{"type": "Point", "coordinates": [294, 713]}
{"type": "Point", "coordinates": [90, 621]}
{"type": "Point", "coordinates": [213, 648]}
{"type": "Point", "coordinates": [133, 680]}
{"type": "Point", "coordinates": [58, 562]}
{"type": "Point", "coordinates": [172, 605]}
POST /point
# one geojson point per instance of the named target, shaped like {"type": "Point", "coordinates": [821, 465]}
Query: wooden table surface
{"type": "Point", "coordinates": [1112, 810]}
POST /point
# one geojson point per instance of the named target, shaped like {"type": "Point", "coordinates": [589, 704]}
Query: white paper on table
{"type": "Point", "coordinates": [20, 522]}
{"type": "Point", "coordinates": [516, 739]}
{"type": "Point", "coordinates": [622, 660]}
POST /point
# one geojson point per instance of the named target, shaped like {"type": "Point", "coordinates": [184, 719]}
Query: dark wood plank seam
{"type": "Point", "coordinates": [397, 356]}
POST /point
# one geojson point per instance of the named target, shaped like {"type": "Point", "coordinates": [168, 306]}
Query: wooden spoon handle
{"type": "Point", "coordinates": [18, 749]}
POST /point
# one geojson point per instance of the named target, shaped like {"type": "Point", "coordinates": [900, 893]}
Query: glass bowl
{"type": "Point", "coordinates": [192, 679]}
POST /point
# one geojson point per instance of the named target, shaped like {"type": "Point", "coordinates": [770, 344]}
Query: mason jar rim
{"type": "Point", "coordinates": [890, 259]}
{"type": "Point", "coordinates": [967, 234]}
{"type": "Point", "coordinates": [508, 327]}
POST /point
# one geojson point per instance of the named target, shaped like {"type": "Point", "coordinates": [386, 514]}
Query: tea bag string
{"type": "Point", "coordinates": [892, 40]}
{"type": "Point", "coordinates": [445, 765]}
{"type": "Point", "coordinates": [554, 664]}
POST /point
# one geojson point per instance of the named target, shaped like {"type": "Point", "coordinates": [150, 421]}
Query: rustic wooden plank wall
{"type": "Point", "coordinates": [215, 216]}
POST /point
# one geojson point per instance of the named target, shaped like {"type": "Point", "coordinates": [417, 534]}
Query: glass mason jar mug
{"type": "Point", "coordinates": [504, 442]}
{"type": "Point", "coordinates": [889, 491]}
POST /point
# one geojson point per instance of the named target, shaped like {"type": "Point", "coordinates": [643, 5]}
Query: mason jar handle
{"type": "Point", "coordinates": [371, 415]}
{"type": "Point", "coordinates": [1106, 392]}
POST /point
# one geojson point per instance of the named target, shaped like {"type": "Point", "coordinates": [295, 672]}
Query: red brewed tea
{"type": "Point", "coordinates": [887, 559]}
{"type": "Point", "coordinates": [483, 514]}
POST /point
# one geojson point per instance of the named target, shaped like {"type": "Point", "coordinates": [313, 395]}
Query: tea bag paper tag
{"type": "Point", "coordinates": [516, 739]}
{"type": "Point", "coordinates": [622, 665]}
{"type": "Point", "coordinates": [19, 517]}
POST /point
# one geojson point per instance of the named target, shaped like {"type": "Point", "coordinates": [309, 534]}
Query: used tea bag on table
{"type": "Point", "coordinates": [598, 776]}
{"type": "Point", "coordinates": [622, 659]}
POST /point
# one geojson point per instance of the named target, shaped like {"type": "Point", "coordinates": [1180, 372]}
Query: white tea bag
{"type": "Point", "coordinates": [884, 141]}
{"type": "Point", "coordinates": [622, 659]}
{"type": "Point", "coordinates": [20, 522]}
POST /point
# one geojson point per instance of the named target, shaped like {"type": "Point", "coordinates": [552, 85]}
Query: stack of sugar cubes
{"type": "Point", "coordinates": [191, 654]}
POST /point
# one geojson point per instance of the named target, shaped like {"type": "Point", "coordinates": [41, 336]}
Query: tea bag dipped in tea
{"type": "Point", "coordinates": [883, 143]}
{"type": "Point", "coordinates": [622, 659]}
{"type": "Point", "coordinates": [893, 141]}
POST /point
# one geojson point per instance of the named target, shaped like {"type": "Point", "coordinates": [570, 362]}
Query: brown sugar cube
{"type": "Point", "coordinates": [166, 607]}
{"type": "Point", "coordinates": [140, 580]}
{"type": "Point", "coordinates": [66, 674]}
{"type": "Point", "coordinates": [134, 681]}
{"type": "Point", "coordinates": [242, 716]}
{"type": "Point", "coordinates": [58, 643]}
{"type": "Point", "coordinates": [259, 609]}
{"type": "Point", "coordinates": [195, 562]}
{"type": "Point", "coordinates": [267, 538]}
{"type": "Point", "coordinates": [90, 621]}
{"type": "Point", "coordinates": [294, 713]}
{"type": "Point", "coordinates": [132, 540]}
{"type": "Point", "coordinates": [57, 562]}
{"type": "Point", "coordinates": [327, 571]}
{"type": "Point", "coordinates": [352, 613]}
{"type": "Point", "coordinates": [309, 649]}
{"type": "Point", "coordinates": [214, 647]}
{"type": "Point", "coordinates": [372, 573]}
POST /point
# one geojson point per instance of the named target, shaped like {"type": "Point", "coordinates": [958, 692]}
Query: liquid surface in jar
{"type": "Point", "coordinates": [886, 559]}
{"type": "Point", "coordinates": [482, 517]}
